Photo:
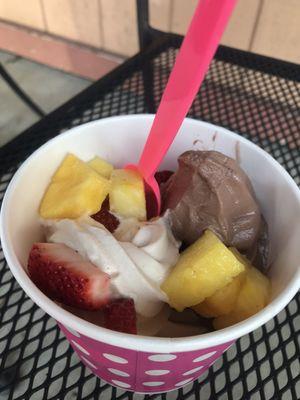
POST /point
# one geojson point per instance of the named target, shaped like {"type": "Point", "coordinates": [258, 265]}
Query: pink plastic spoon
{"type": "Point", "coordinates": [192, 62]}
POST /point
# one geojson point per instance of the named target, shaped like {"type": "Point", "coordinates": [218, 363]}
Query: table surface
{"type": "Point", "coordinates": [253, 95]}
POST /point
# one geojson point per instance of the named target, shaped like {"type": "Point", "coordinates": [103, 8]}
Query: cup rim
{"type": "Point", "coordinates": [139, 342]}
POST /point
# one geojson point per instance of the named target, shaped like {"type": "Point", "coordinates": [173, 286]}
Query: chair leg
{"type": "Point", "coordinates": [148, 88]}
{"type": "Point", "coordinates": [19, 92]}
{"type": "Point", "coordinates": [144, 32]}
{"type": "Point", "coordinates": [145, 38]}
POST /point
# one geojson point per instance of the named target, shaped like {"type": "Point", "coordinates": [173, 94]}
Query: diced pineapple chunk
{"type": "Point", "coordinates": [202, 269]}
{"type": "Point", "coordinates": [253, 296]}
{"type": "Point", "coordinates": [127, 194]}
{"type": "Point", "coordinates": [243, 259]}
{"type": "Point", "coordinates": [75, 190]}
{"type": "Point", "coordinates": [222, 301]}
{"type": "Point", "coordinates": [101, 166]}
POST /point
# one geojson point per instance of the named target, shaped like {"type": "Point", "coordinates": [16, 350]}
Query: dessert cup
{"type": "Point", "coordinates": [139, 363]}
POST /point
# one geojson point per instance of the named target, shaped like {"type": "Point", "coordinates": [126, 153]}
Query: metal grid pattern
{"type": "Point", "coordinates": [255, 96]}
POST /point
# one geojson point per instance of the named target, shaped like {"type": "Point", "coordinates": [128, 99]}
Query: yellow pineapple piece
{"type": "Point", "coordinates": [127, 194]}
{"type": "Point", "coordinates": [75, 190]}
{"type": "Point", "coordinates": [243, 259]}
{"type": "Point", "coordinates": [254, 295]}
{"type": "Point", "coordinates": [202, 269]}
{"type": "Point", "coordinates": [222, 301]}
{"type": "Point", "coordinates": [101, 166]}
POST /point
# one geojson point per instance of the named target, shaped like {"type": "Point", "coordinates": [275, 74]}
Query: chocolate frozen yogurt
{"type": "Point", "coordinates": [210, 191]}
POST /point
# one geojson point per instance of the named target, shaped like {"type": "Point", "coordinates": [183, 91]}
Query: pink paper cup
{"type": "Point", "coordinates": [138, 363]}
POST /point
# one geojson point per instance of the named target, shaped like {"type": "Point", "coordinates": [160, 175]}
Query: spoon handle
{"type": "Point", "coordinates": [192, 62]}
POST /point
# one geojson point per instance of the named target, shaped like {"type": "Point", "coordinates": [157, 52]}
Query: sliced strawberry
{"type": "Point", "coordinates": [163, 176]}
{"type": "Point", "coordinates": [106, 218]}
{"type": "Point", "coordinates": [150, 202]}
{"type": "Point", "coordinates": [105, 204]}
{"type": "Point", "coordinates": [63, 275]}
{"type": "Point", "coordinates": [120, 315]}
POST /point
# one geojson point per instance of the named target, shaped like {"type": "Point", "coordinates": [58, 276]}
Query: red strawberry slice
{"type": "Point", "coordinates": [150, 202]}
{"type": "Point", "coordinates": [63, 275]}
{"type": "Point", "coordinates": [163, 176]}
{"type": "Point", "coordinates": [120, 315]}
{"type": "Point", "coordinates": [106, 218]}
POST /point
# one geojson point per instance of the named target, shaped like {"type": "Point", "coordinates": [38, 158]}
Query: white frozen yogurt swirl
{"type": "Point", "coordinates": [137, 262]}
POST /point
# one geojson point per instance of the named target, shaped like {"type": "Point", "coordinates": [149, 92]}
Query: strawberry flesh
{"type": "Point", "coordinates": [106, 218]}
{"type": "Point", "coordinates": [151, 207]}
{"type": "Point", "coordinates": [161, 177]}
{"type": "Point", "coordinates": [120, 315]}
{"type": "Point", "coordinates": [63, 275]}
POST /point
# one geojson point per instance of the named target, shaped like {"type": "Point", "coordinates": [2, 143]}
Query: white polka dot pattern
{"type": "Point", "coordinates": [88, 362]}
{"type": "Point", "coordinates": [183, 382]}
{"type": "Point", "coordinates": [79, 347]}
{"type": "Point", "coordinates": [153, 384]}
{"type": "Point", "coordinates": [118, 372]}
{"type": "Point", "coordinates": [162, 357]}
{"type": "Point", "coordinates": [116, 359]}
{"type": "Point", "coordinates": [144, 372]}
{"type": "Point", "coordinates": [191, 371]}
{"type": "Point", "coordinates": [204, 356]}
{"type": "Point", "coordinates": [121, 384]}
{"type": "Point", "coordinates": [157, 372]}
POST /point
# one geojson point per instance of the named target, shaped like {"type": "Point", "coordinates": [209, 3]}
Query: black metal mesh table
{"type": "Point", "coordinates": [255, 96]}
